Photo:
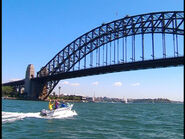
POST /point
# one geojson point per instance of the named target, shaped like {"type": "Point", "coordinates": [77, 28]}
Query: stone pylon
{"type": "Point", "coordinates": [30, 73]}
{"type": "Point", "coordinates": [35, 89]}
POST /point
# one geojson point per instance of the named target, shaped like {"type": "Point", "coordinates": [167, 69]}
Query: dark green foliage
{"type": "Point", "coordinates": [71, 97]}
{"type": "Point", "coordinates": [7, 90]}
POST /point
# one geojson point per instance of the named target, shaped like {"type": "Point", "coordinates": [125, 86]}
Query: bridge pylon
{"type": "Point", "coordinates": [29, 75]}
{"type": "Point", "coordinates": [33, 88]}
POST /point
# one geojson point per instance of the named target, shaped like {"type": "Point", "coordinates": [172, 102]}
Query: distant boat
{"type": "Point", "coordinates": [125, 100]}
{"type": "Point", "coordinates": [93, 98]}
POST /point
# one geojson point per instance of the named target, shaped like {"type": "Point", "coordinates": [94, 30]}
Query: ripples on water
{"type": "Point", "coordinates": [94, 121]}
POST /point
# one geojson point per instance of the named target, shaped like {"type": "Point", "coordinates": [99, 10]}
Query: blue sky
{"type": "Point", "coordinates": [33, 31]}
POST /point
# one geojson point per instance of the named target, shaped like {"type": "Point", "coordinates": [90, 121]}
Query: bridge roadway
{"type": "Point", "coordinates": [14, 83]}
{"type": "Point", "coordinates": [109, 69]}
{"type": "Point", "coordinates": [116, 68]}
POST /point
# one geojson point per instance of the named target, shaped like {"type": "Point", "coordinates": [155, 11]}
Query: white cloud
{"type": "Point", "coordinates": [71, 84]}
{"type": "Point", "coordinates": [95, 83]}
{"type": "Point", "coordinates": [135, 84]}
{"type": "Point", "coordinates": [117, 84]}
{"type": "Point", "coordinates": [74, 84]}
{"type": "Point", "coordinates": [65, 82]}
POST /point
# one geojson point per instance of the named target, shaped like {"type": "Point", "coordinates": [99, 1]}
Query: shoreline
{"type": "Point", "coordinates": [79, 101]}
{"type": "Point", "coordinates": [14, 98]}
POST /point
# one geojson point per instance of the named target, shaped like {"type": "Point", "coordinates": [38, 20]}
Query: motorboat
{"type": "Point", "coordinates": [50, 113]}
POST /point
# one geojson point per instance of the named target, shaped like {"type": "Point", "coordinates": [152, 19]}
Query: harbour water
{"type": "Point", "coordinates": [20, 119]}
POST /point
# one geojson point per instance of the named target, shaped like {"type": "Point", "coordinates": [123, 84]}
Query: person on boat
{"type": "Point", "coordinates": [57, 104]}
{"type": "Point", "coordinates": [63, 105]}
{"type": "Point", "coordinates": [50, 105]}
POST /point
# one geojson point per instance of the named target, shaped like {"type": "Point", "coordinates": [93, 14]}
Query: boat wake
{"type": "Point", "coordinates": [8, 117]}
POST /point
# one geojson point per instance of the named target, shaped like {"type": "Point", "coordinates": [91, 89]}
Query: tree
{"type": "Point", "coordinates": [7, 90]}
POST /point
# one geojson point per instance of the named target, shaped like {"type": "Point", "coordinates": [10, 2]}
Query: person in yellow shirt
{"type": "Point", "coordinates": [50, 105]}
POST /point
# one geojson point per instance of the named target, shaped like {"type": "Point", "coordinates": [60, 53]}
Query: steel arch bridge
{"type": "Point", "coordinates": [133, 42]}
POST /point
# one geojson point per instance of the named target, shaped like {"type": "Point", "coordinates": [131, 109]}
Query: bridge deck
{"type": "Point", "coordinates": [14, 83]}
{"type": "Point", "coordinates": [117, 68]}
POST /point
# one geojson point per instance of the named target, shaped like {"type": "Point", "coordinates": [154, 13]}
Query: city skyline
{"type": "Point", "coordinates": [34, 31]}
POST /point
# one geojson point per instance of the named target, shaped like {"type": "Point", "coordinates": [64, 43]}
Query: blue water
{"type": "Point", "coordinates": [94, 121]}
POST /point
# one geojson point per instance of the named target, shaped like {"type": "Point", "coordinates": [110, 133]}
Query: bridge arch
{"type": "Point", "coordinates": [169, 22]}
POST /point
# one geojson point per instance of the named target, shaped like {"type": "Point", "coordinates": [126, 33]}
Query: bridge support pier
{"type": "Point", "coordinates": [29, 75]}
{"type": "Point", "coordinates": [38, 90]}
{"type": "Point", "coordinates": [33, 88]}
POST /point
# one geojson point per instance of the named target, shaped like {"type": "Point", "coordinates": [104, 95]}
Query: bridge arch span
{"type": "Point", "coordinates": [169, 22]}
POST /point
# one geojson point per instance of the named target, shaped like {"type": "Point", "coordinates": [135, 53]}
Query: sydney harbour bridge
{"type": "Point", "coordinates": [142, 41]}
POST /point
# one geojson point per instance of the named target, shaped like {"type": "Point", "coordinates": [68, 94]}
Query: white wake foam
{"type": "Point", "coordinates": [13, 116]}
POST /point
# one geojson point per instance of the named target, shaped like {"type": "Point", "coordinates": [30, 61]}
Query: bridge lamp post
{"type": "Point", "coordinates": [59, 90]}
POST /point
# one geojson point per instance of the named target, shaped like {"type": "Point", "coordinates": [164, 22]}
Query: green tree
{"type": "Point", "coordinates": [7, 90]}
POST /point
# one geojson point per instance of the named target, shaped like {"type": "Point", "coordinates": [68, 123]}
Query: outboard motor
{"type": "Point", "coordinates": [43, 113]}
